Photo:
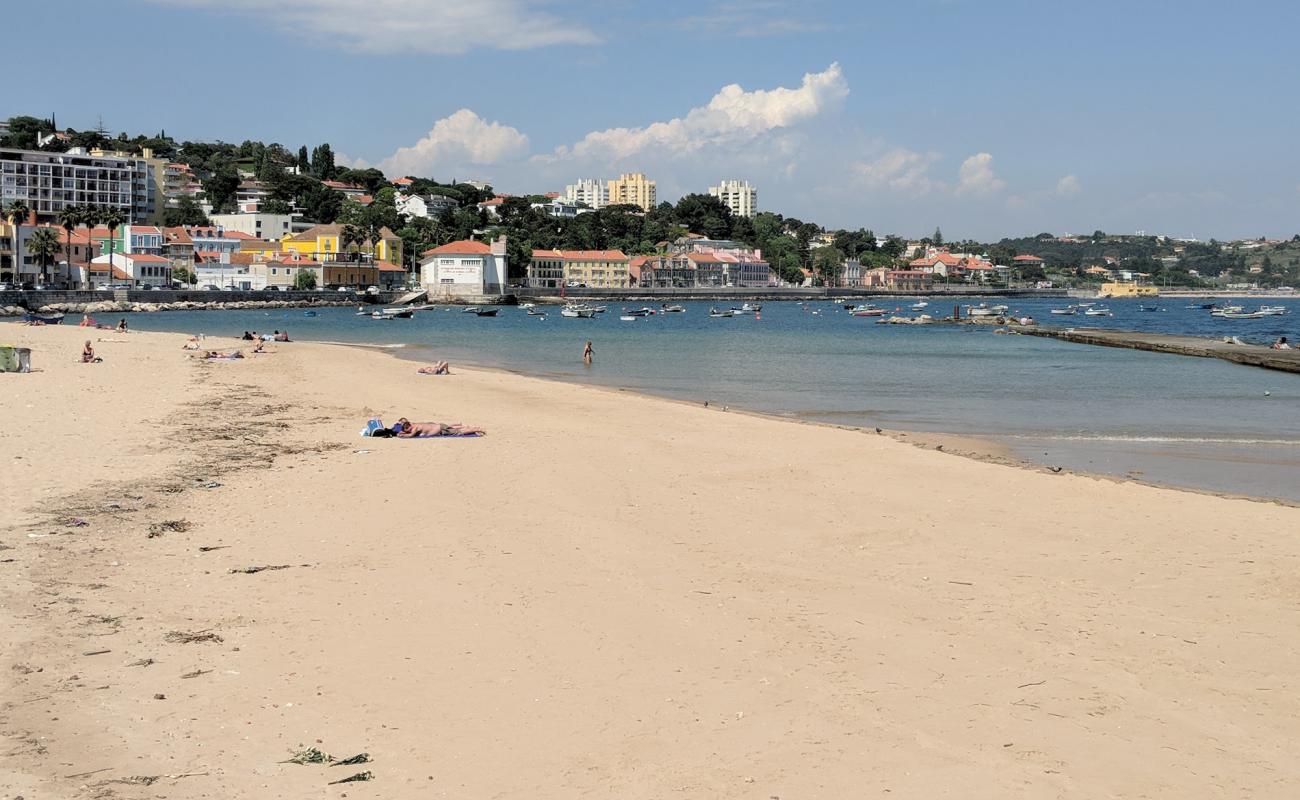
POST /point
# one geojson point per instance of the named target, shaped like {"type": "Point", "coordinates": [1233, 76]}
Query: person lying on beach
{"type": "Point", "coordinates": [214, 355]}
{"type": "Point", "coordinates": [436, 368]}
{"type": "Point", "coordinates": [191, 344]}
{"type": "Point", "coordinates": [420, 430]}
{"type": "Point", "coordinates": [248, 337]}
{"type": "Point", "coordinates": [88, 354]}
{"type": "Point", "coordinates": [281, 336]}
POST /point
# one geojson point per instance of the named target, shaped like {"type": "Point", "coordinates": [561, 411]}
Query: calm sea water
{"type": "Point", "coordinates": [1196, 422]}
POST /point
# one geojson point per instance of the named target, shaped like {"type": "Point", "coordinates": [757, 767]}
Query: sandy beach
{"type": "Point", "coordinates": [609, 595]}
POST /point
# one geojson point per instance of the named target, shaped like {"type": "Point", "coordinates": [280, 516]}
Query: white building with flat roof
{"type": "Point", "coordinates": [739, 196]}
{"type": "Point", "coordinates": [271, 227]}
{"type": "Point", "coordinates": [594, 192]}
{"type": "Point", "coordinates": [47, 183]}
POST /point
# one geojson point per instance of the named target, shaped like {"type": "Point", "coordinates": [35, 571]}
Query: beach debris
{"type": "Point", "coordinates": [309, 756]}
{"type": "Point", "coordinates": [210, 547]}
{"type": "Point", "coordinates": [210, 485]}
{"type": "Point", "coordinates": [96, 652]}
{"type": "Point", "coordinates": [87, 774]}
{"type": "Point", "coordinates": [76, 522]}
{"type": "Point", "coordinates": [1055, 469]}
{"type": "Point", "coordinates": [360, 776]}
{"type": "Point", "coordinates": [196, 673]}
{"type": "Point", "coordinates": [143, 662]}
{"type": "Point", "coordinates": [160, 696]}
{"type": "Point", "coordinates": [1035, 683]}
{"type": "Point", "coordinates": [879, 430]}
{"type": "Point", "coordinates": [186, 637]}
{"type": "Point", "coordinates": [255, 569]}
{"type": "Point", "coordinates": [168, 526]}
{"type": "Point", "coordinates": [359, 758]}
{"type": "Point", "coordinates": [139, 780]}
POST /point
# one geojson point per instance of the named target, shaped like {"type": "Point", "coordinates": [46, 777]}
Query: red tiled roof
{"type": "Point", "coordinates": [384, 266]}
{"type": "Point", "coordinates": [1026, 258]}
{"type": "Point", "coordinates": [145, 258]}
{"type": "Point", "coordinates": [465, 247]}
{"type": "Point", "coordinates": [239, 235]}
{"type": "Point", "coordinates": [144, 229]}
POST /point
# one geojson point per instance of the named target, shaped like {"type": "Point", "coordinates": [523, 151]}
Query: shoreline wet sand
{"type": "Point", "coordinates": [608, 594]}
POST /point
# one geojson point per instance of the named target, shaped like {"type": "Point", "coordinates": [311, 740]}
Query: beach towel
{"type": "Point", "coordinates": [444, 436]}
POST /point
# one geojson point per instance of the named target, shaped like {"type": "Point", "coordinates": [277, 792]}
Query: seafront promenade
{"type": "Point", "coordinates": [1197, 346]}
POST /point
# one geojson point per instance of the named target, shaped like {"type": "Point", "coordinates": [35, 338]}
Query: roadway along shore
{"type": "Point", "coordinates": [204, 569]}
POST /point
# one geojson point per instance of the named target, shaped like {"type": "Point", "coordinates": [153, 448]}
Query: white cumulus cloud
{"type": "Point", "coordinates": [733, 116]}
{"type": "Point", "coordinates": [900, 170]}
{"type": "Point", "coordinates": [1068, 186]}
{"type": "Point", "coordinates": [460, 139]}
{"type": "Point", "coordinates": [976, 176]}
{"type": "Point", "coordinates": [422, 26]}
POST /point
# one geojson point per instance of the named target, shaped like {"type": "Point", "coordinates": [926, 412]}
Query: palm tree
{"type": "Point", "coordinates": [69, 219]}
{"type": "Point", "coordinates": [45, 245]}
{"type": "Point", "coordinates": [17, 212]}
{"type": "Point", "coordinates": [350, 235]}
{"type": "Point", "coordinates": [112, 219]}
{"type": "Point", "coordinates": [90, 217]}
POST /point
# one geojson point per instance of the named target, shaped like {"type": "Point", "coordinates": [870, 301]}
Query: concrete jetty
{"type": "Point", "coordinates": [1250, 354]}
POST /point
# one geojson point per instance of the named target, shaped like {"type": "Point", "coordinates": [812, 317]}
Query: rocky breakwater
{"type": "Point", "coordinates": [129, 306]}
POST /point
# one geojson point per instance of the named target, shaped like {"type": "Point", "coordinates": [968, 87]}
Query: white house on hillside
{"type": "Point", "coordinates": [465, 269]}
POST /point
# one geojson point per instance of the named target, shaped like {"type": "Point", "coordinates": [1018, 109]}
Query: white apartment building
{"type": "Point", "coordinates": [594, 192]}
{"type": "Point", "coordinates": [271, 227]}
{"type": "Point", "coordinates": [433, 205]}
{"type": "Point", "coordinates": [738, 196]}
{"type": "Point", "coordinates": [50, 182]}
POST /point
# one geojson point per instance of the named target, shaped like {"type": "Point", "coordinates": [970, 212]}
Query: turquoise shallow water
{"type": "Point", "coordinates": [1186, 421]}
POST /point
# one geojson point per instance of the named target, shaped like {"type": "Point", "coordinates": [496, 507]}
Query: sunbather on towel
{"type": "Point", "coordinates": [436, 368]}
{"type": "Point", "coordinates": [421, 430]}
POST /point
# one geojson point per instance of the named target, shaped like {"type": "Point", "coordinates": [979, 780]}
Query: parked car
{"type": "Point", "coordinates": [8, 287]}
{"type": "Point", "coordinates": [372, 290]}
{"type": "Point", "coordinates": [271, 289]}
{"type": "Point", "coordinates": [211, 288]}
{"type": "Point", "coordinates": [346, 289]}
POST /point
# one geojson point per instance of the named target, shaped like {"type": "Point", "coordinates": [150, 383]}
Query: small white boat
{"type": "Point", "coordinates": [1068, 311]}
{"type": "Point", "coordinates": [868, 310]}
{"type": "Point", "coordinates": [627, 318]}
{"type": "Point", "coordinates": [673, 309]}
{"type": "Point", "coordinates": [1225, 310]}
{"type": "Point", "coordinates": [920, 305]}
{"type": "Point", "coordinates": [748, 308]}
{"type": "Point", "coordinates": [1273, 311]}
{"type": "Point", "coordinates": [578, 312]}
{"type": "Point", "coordinates": [527, 305]}
{"type": "Point", "coordinates": [1244, 315]}
{"type": "Point", "coordinates": [536, 312]}
{"type": "Point", "coordinates": [470, 310]}
{"type": "Point", "coordinates": [985, 310]}
{"type": "Point", "coordinates": [1098, 311]}
{"type": "Point", "coordinates": [639, 312]}
{"type": "Point", "coordinates": [723, 314]}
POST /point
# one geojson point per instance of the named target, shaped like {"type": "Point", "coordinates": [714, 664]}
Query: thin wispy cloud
{"type": "Point", "coordinates": [732, 117]}
{"type": "Point", "coordinates": [753, 19]}
{"type": "Point", "coordinates": [1068, 186]}
{"type": "Point", "coordinates": [442, 27]}
{"type": "Point", "coordinates": [977, 177]}
{"type": "Point", "coordinates": [899, 170]}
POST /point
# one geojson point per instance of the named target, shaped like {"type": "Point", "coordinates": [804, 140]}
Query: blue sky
{"type": "Point", "coordinates": [987, 117]}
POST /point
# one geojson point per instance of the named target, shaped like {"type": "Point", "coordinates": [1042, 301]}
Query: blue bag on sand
{"type": "Point", "coordinates": [373, 425]}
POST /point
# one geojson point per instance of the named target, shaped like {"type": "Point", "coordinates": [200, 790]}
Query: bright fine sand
{"type": "Point", "coordinates": [609, 596]}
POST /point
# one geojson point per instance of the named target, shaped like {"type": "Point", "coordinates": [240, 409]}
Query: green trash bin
{"type": "Point", "coordinates": [15, 359]}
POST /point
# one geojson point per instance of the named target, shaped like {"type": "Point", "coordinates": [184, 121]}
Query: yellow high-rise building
{"type": "Point", "coordinates": [634, 189]}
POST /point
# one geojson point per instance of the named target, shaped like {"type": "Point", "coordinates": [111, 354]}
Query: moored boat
{"type": "Point", "coordinates": [1068, 311]}
{"type": "Point", "coordinates": [1098, 311]}
{"type": "Point", "coordinates": [487, 312]}
{"type": "Point", "coordinates": [43, 319]}
{"type": "Point", "coordinates": [868, 310]}
{"type": "Point", "coordinates": [721, 314]}
{"type": "Point", "coordinates": [673, 309]}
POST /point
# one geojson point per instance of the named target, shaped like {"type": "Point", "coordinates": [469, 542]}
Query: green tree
{"type": "Point", "coordinates": [45, 245]}
{"type": "Point", "coordinates": [90, 217]}
{"type": "Point", "coordinates": [827, 263]}
{"type": "Point", "coordinates": [938, 237]}
{"type": "Point", "coordinates": [112, 219]}
{"type": "Point", "coordinates": [185, 212]}
{"type": "Point", "coordinates": [274, 206]}
{"type": "Point", "coordinates": [305, 280]}
{"type": "Point", "coordinates": [69, 219]}
{"type": "Point", "coordinates": [351, 235]}
{"type": "Point", "coordinates": [704, 213]}
{"type": "Point", "coordinates": [304, 164]}
{"type": "Point", "coordinates": [185, 276]}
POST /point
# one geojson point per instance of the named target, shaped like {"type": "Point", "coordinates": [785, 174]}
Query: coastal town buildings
{"type": "Point", "coordinates": [325, 243]}
{"type": "Point", "coordinates": [601, 269]}
{"type": "Point", "coordinates": [635, 189]}
{"type": "Point", "coordinates": [263, 226]}
{"type": "Point", "coordinates": [465, 269]}
{"type": "Point", "coordinates": [739, 196]}
{"type": "Point", "coordinates": [7, 250]}
{"type": "Point", "coordinates": [49, 182]}
{"type": "Point", "coordinates": [431, 205]}
{"type": "Point", "coordinates": [141, 269]}
{"type": "Point", "coordinates": [561, 209]}
{"type": "Point", "coordinates": [591, 192]}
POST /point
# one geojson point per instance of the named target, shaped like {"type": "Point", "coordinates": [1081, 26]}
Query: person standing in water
{"type": "Point", "coordinates": [587, 353]}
